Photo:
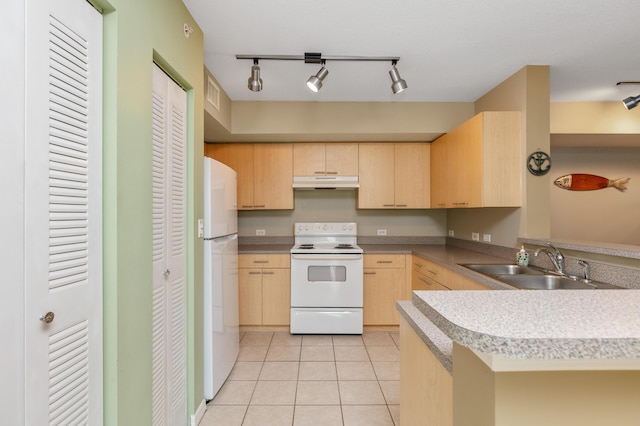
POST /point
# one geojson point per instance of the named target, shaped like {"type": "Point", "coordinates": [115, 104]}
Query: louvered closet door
{"type": "Point", "coordinates": [169, 363]}
{"type": "Point", "coordinates": [63, 222]}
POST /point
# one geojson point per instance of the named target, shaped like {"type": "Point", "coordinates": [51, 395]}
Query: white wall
{"type": "Point", "coordinates": [605, 215]}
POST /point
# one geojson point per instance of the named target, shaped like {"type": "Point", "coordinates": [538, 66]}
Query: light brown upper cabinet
{"type": "Point", "coordinates": [439, 186]}
{"type": "Point", "coordinates": [478, 163]}
{"type": "Point", "coordinates": [265, 171]}
{"type": "Point", "coordinates": [394, 176]}
{"type": "Point", "coordinates": [320, 159]}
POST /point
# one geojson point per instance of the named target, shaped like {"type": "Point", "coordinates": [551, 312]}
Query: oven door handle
{"type": "Point", "coordinates": [326, 256]}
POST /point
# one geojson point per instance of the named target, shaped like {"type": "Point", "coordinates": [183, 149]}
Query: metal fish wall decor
{"type": "Point", "coordinates": [586, 182]}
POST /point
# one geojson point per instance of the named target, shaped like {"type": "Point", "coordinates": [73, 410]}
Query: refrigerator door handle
{"type": "Point", "coordinates": [223, 239]}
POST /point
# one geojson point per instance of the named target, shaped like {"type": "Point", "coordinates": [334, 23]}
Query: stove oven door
{"type": "Point", "coordinates": [326, 280]}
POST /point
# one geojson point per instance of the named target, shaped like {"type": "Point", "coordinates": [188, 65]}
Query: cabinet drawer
{"type": "Point", "coordinates": [430, 269]}
{"type": "Point", "coordinates": [264, 261]}
{"type": "Point", "coordinates": [458, 282]}
{"type": "Point", "coordinates": [383, 261]}
{"type": "Point", "coordinates": [422, 282]}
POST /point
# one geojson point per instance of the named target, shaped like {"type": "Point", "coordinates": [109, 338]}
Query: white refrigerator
{"type": "Point", "coordinates": [221, 330]}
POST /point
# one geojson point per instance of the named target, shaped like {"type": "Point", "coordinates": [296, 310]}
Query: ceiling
{"type": "Point", "coordinates": [450, 51]}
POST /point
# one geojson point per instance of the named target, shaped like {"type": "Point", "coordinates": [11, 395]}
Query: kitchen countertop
{"type": "Point", "coordinates": [558, 325]}
{"type": "Point", "coordinates": [447, 256]}
{"type": "Point", "coordinates": [563, 328]}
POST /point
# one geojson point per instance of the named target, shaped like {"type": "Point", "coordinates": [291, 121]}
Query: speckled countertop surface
{"type": "Point", "coordinates": [560, 324]}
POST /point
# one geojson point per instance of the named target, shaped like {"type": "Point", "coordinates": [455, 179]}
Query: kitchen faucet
{"type": "Point", "coordinates": [557, 259]}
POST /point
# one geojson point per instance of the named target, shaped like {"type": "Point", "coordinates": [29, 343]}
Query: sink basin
{"type": "Point", "coordinates": [501, 269]}
{"type": "Point", "coordinates": [533, 278]}
{"type": "Point", "coordinates": [544, 282]}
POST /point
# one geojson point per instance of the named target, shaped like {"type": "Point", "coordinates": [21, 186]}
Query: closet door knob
{"type": "Point", "coordinates": [47, 318]}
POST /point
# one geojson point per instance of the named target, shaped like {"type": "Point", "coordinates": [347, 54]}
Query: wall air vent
{"type": "Point", "coordinates": [213, 93]}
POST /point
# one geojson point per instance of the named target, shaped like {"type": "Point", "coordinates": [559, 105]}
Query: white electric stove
{"type": "Point", "coordinates": [326, 279]}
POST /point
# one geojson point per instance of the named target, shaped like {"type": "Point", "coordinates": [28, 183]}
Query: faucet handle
{"type": "Point", "coordinates": [558, 252]}
{"type": "Point", "coordinates": [587, 269]}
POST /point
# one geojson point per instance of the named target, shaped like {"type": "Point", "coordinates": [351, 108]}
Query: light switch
{"type": "Point", "coordinates": [200, 228]}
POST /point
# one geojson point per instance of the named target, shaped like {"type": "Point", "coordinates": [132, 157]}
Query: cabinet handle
{"type": "Point", "coordinates": [332, 173]}
{"type": "Point", "coordinates": [260, 261]}
{"type": "Point", "coordinates": [441, 204]}
{"type": "Point", "coordinates": [254, 273]}
{"type": "Point", "coordinates": [432, 272]}
{"type": "Point", "coordinates": [259, 207]}
{"type": "Point", "coordinates": [424, 280]}
{"type": "Point", "coordinates": [318, 173]}
{"type": "Point", "coordinates": [419, 265]}
{"type": "Point", "coordinates": [369, 273]}
{"type": "Point", "coordinates": [401, 205]}
{"type": "Point", "coordinates": [246, 206]}
{"type": "Point", "coordinates": [268, 272]}
{"type": "Point", "coordinates": [388, 205]}
{"type": "Point", "coordinates": [385, 261]}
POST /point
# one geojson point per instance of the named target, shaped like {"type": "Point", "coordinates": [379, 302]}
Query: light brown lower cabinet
{"type": "Point", "coordinates": [427, 275]}
{"type": "Point", "coordinates": [384, 284]}
{"type": "Point", "coordinates": [264, 289]}
{"type": "Point", "coordinates": [426, 387]}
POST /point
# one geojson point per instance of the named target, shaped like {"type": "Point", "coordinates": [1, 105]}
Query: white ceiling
{"type": "Point", "coordinates": [450, 50]}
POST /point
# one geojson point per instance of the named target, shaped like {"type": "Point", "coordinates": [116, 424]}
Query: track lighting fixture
{"type": "Point", "coordinates": [314, 83]}
{"type": "Point", "coordinates": [255, 82]}
{"type": "Point", "coordinates": [631, 102]}
{"type": "Point", "coordinates": [397, 83]}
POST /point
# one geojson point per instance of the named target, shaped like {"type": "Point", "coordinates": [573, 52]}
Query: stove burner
{"type": "Point", "coordinates": [344, 246]}
{"type": "Point", "coordinates": [306, 246]}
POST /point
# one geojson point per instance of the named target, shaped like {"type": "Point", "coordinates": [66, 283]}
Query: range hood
{"type": "Point", "coordinates": [325, 182]}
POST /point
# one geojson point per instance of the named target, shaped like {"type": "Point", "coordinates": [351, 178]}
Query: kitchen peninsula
{"type": "Point", "coordinates": [520, 358]}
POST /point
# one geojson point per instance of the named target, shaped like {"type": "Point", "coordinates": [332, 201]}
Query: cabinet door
{"type": "Point", "coordinates": [439, 173]}
{"type": "Point", "coordinates": [472, 161]}
{"type": "Point", "coordinates": [464, 159]}
{"type": "Point", "coordinates": [341, 159]}
{"type": "Point", "coordinates": [273, 175]}
{"type": "Point", "coordinates": [250, 296]}
{"type": "Point", "coordinates": [309, 159]}
{"type": "Point", "coordinates": [382, 288]}
{"type": "Point", "coordinates": [276, 296]}
{"type": "Point", "coordinates": [238, 156]}
{"type": "Point", "coordinates": [376, 170]}
{"type": "Point", "coordinates": [411, 167]}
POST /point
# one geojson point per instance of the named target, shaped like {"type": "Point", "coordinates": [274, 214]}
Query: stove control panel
{"type": "Point", "coordinates": [329, 228]}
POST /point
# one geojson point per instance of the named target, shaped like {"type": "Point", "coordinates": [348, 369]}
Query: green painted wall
{"type": "Point", "coordinates": [137, 33]}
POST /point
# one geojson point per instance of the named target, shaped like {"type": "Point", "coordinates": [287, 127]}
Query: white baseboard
{"type": "Point", "coordinates": [199, 414]}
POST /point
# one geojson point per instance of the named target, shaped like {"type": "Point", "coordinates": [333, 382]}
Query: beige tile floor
{"type": "Point", "coordinates": [281, 379]}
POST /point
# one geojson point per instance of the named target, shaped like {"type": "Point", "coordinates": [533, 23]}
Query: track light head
{"type": "Point", "coordinates": [397, 83]}
{"type": "Point", "coordinates": [631, 102]}
{"type": "Point", "coordinates": [314, 83]}
{"type": "Point", "coordinates": [255, 82]}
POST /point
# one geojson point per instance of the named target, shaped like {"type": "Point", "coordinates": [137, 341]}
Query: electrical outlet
{"type": "Point", "coordinates": [475, 236]}
{"type": "Point", "coordinates": [486, 238]}
{"type": "Point", "coordinates": [261, 232]}
{"type": "Point", "coordinates": [451, 233]}
{"type": "Point", "coordinates": [382, 232]}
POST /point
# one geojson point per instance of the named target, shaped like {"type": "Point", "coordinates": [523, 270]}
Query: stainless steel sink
{"type": "Point", "coordinates": [544, 282]}
{"type": "Point", "coordinates": [501, 269]}
{"type": "Point", "coordinates": [533, 278]}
